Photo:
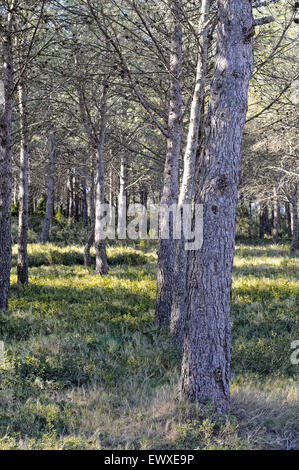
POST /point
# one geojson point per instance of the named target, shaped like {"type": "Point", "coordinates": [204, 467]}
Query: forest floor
{"type": "Point", "coordinates": [86, 368]}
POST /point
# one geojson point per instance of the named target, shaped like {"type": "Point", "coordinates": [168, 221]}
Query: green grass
{"type": "Point", "coordinates": [87, 369]}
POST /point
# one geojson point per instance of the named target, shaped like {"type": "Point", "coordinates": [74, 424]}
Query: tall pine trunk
{"type": "Point", "coordinates": [178, 310]}
{"type": "Point", "coordinates": [205, 372]}
{"type": "Point", "coordinates": [50, 193]}
{"type": "Point", "coordinates": [294, 218]}
{"type": "Point", "coordinates": [166, 252]}
{"type": "Point", "coordinates": [23, 191]}
{"type": "Point", "coordinates": [122, 200]}
{"type": "Point", "coordinates": [276, 221]}
{"type": "Point", "coordinates": [100, 244]}
{"type": "Point", "coordinates": [6, 110]}
{"type": "Point", "coordinates": [90, 240]}
{"type": "Point", "coordinates": [84, 204]}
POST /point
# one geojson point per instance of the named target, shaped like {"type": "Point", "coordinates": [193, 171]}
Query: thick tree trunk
{"type": "Point", "coordinates": [178, 310]}
{"type": "Point", "coordinates": [50, 194]}
{"type": "Point", "coordinates": [23, 192]}
{"type": "Point", "coordinates": [6, 110]}
{"type": "Point", "coordinates": [207, 348]}
{"type": "Point", "coordinates": [276, 221]}
{"type": "Point", "coordinates": [166, 252]}
{"type": "Point", "coordinates": [295, 227]}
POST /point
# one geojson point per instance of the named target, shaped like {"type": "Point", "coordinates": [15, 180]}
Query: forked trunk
{"type": "Point", "coordinates": [166, 252]}
{"type": "Point", "coordinates": [178, 309]}
{"type": "Point", "coordinates": [205, 372]}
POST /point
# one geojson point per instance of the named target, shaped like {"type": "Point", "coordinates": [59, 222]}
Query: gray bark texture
{"type": "Point", "coordinates": [205, 374]}
{"type": "Point", "coordinates": [166, 251]}
{"type": "Point", "coordinates": [122, 200]}
{"type": "Point", "coordinates": [178, 309]}
{"type": "Point", "coordinates": [50, 193]}
{"type": "Point", "coordinates": [294, 218]}
{"type": "Point", "coordinates": [6, 110]}
{"type": "Point", "coordinates": [100, 244]}
{"type": "Point", "coordinates": [22, 268]}
{"type": "Point", "coordinates": [90, 241]}
{"type": "Point", "coordinates": [276, 221]}
{"type": "Point", "coordinates": [84, 204]}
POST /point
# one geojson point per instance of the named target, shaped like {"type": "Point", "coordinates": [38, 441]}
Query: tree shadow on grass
{"type": "Point", "coordinates": [74, 257]}
{"type": "Point", "coordinates": [266, 270]}
{"type": "Point", "coordinates": [38, 309]}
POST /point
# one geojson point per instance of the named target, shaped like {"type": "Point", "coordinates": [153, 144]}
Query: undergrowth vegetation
{"type": "Point", "coordinates": [85, 367]}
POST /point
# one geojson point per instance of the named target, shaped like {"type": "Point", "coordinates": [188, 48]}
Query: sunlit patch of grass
{"type": "Point", "coordinates": [87, 369]}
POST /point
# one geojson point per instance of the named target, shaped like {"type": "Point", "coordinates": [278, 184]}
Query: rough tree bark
{"type": "Point", "coordinates": [100, 244]}
{"type": "Point", "coordinates": [22, 268]}
{"type": "Point", "coordinates": [205, 372]}
{"type": "Point", "coordinates": [166, 252]}
{"type": "Point", "coordinates": [97, 140]}
{"type": "Point", "coordinates": [294, 218]}
{"type": "Point", "coordinates": [178, 309]}
{"type": "Point", "coordinates": [288, 218]}
{"type": "Point", "coordinates": [110, 197]}
{"type": "Point", "coordinates": [276, 221]}
{"type": "Point", "coordinates": [50, 193]}
{"type": "Point", "coordinates": [6, 110]}
{"type": "Point", "coordinates": [263, 222]}
{"type": "Point", "coordinates": [122, 200]}
{"type": "Point", "coordinates": [84, 204]}
{"type": "Point", "coordinates": [90, 241]}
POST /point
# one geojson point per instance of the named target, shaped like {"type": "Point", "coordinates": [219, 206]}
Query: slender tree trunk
{"type": "Point", "coordinates": [50, 194]}
{"type": "Point", "coordinates": [110, 197]}
{"type": "Point", "coordinates": [23, 191]}
{"type": "Point", "coordinates": [295, 227]}
{"type": "Point", "coordinates": [272, 217]}
{"type": "Point", "coordinates": [76, 198]}
{"type": "Point", "coordinates": [288, 218]}
{"type": "Point", "coordinates": [84, 204]}
{"type": "Point", "coordinates": [166, 252]}
{"type": "Point", "coordinates": [69, 196]}
{"type": "Point", "coordinates": [276, 217]}
{"type": "Point", "coordinates": [178, 310]}
{"type": "Point", "coordinates": [6, 110]}
{"type": "Point", "coordinates": [122, 200]}
{"type": "Point", "coordinates": [267, 221]}
{"type": "Point", "coordinates": [100, 244]}
{"type": "Point", "coordinates": [263, 222]}
{"type": "Point", "coordinates": [205, 372]}
{"type": "Point", "coordinates": [90, 241]}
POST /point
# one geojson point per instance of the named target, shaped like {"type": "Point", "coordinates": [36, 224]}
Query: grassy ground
{"type": "Point", "coordinates": [86, 368]}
